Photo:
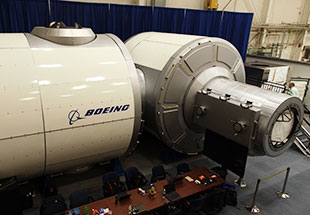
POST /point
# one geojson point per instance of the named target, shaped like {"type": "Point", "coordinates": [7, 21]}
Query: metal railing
{"type": "Point", "coordinates": [253, 208]}
{"type": "Point", "coordinates": [303, 146]}
{"type": "Point", "coordinates": [298, 142]}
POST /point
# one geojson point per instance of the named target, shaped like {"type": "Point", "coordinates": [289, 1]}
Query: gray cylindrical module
{"type": "Point", "coordinates": [174, 67]}
{"type": "Point", "coordinates": [279, 118]}
{"type": "Point", "coordinates": [177, 66]}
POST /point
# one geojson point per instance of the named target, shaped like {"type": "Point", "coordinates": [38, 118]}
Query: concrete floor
{"type": "Point", "coordinates": [147, 155]}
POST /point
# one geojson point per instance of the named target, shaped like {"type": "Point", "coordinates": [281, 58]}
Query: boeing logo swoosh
{"type": "Point", "coordinates": [74, 116]}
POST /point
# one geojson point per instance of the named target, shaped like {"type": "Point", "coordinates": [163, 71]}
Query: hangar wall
{"type": "Point", "coordinates": [272, 32]}
{"type": "Point", "coordinates": [127, 20]}
{"type": "Point", "coordinates": [106, 1]}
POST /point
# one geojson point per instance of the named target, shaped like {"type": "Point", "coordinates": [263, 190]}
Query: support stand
{"type": "Point", "coordinates": [253, 208]}
{"type": "Point", "coordinates": [240, 182]}
{"type": "Point", "coordinates": [282, 193]}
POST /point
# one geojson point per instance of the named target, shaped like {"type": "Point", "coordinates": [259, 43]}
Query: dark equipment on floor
{"type": "Point", "coordinates": [15, 200]}
{"type": "Point", "coordinates": [134, 178]}
{"type": "Point", "coordinates": [215, 201]}
{"type": "Point", "coordinates": [234, 156]}
{"type": "Point", "coordinates": [53, 204]}
{"type": "Point", "coordinates": [79, 197]}
{"type": "Point", "coordinates": [158, 173]}
{"type": "Point", "coordinates": [193, 205]}
{"type": "Point", "coordinates": [182, 168]}
{"type": "Point", "coordinates": [112, 184]}
{"type": "Point", "coordinates": [170, 209]}
{"type": "Point", "coordinates": [49, 187]}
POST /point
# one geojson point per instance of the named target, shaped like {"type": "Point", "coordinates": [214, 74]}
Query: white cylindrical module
{"type": "Point", "coordinates": [177, 67]}
{"type": "Point", "coordinates": [69, 99]}
{"type": "Point", "coordinates": [72, 98]}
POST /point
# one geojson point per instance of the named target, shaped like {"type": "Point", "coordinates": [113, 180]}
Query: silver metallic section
{"type": "Point", "coordinates": [177, 66]}
{"type": "Point", "coordinates": [280, 115]}
{"type": "Point", "coordinates": [151, 78]}
{"type": "Point", "coordinates": [198, 83]}
{"type": "Point", "coordinates": [65, 36]}
{"type": "Point", "coordinates": [170, 92]}
{"type": "Point", "coordinates": [225, 116]}
{"type": "Point", "coordinates": [101, 40]}
{"type": "Point", "coordinates": [141, 79]}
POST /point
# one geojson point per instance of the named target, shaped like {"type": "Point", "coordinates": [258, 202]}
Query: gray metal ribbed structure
{"type": "Point", "coordinates": [177, 67]}
{"type": "Point", "coordinates": [278, 119]}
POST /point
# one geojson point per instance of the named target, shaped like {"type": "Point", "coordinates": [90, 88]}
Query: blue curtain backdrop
{"type": "Point", "coordinates": [87, 15]}
{"type": "Point", "coordinates": [22, 15]}
{"type": "Point", "coordinates": [127, 20]}
{"type": "Point", "coordinates": [200, 22]}
{"type": "Point", "coordinates": [169, 20]}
